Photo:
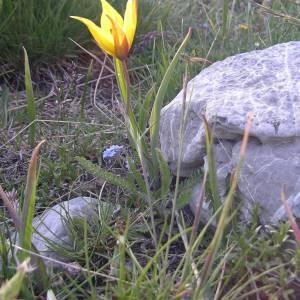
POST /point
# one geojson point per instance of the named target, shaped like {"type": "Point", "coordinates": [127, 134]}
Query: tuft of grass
{"type": "Point", "coordinates": [42, 28]}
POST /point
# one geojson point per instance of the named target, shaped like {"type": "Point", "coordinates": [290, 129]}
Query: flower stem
{"type": "Point", "coordinates": [124, 87]}
{"type": "Point", "coordinates": [135, 135]}
{"type": "Point", "coordinates": [122, 78]}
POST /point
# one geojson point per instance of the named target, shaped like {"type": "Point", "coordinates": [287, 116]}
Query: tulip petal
{"type": "Point", "coordinates": [104, 40]}
{"type": "Point", "coordinates": [130, 20]}
{"type": "Point", "coordinates": [120, 40]}
{"type": "Point", "coordinates": [108, 10]}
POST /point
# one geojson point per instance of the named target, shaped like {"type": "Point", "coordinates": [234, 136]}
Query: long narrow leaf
{"type": "Point", "coordinates": [137, 139]}
{"type": "Point", "coordinates": [165, 175]}
{"type": "Point", "coordinates": [108, 176]}
{"type": "Point", "coordinates": [158, 102]}
{"type": "Point", "coordinates": [291, 219]}
{"type": "Point", "coordinates": [82, 98]}
{"type": "Point", "coordinates": [145, 110]}
{"type": "Point", "coordinates": [29, 201]}
{"type": "Point", "coordinates": [31, 109]}
{"type": "Point", "coordinates": [4, 106]}
{"type": "Point", "coordinates": [11, 289]}
{"type": "Point", "coordinates": [212, 172]}
{"type": "Point", "coordinates": [225, 17]}
{"type": "Point", "coordinates": [136, 176]}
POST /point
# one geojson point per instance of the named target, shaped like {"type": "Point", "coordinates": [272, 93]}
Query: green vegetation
{"type": "Point", "coordinates": [140, 252]}
{"type": "Point", "coordinates": [41, 27]}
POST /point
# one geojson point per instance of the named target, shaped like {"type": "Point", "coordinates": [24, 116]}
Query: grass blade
{"type": "Point", "coordinates": [29, 201]}
{"type": "Point", "coordinates": [145, 109]}
{"type": "Point", "coordinates": [292, 221]}
{"type": "Point", "coordinates": [31, 109]}
{"type": "Point", "coordinates": [82, 98]}
{"type": "Point", "coordinates": [165, 175]}
{"type": "Point", "coordinates": [4, 106]}
{"type": "Point", "coordinates": [135, 176]}
{"type": "Point", "coordinates": [159, 99]}
{"type": "Point", "coordinates": [215, 243]}
{"type": "Point", "coordinates": [212, 173]}
{"type": "Point", "coordinates": [225, 17]}
{"type": "Point", "coordinates": [11, 289]}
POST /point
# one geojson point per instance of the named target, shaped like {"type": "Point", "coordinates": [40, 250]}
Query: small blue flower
{"type": "Point", "coordinates": [112, 151]}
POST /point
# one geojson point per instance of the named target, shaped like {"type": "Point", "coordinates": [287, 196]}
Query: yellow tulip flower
{"type": "Point", "coordinates": [115, 34]}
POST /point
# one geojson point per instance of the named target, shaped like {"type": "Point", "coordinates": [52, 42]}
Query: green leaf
{"type": "Point", "coordinates": [225, 17]}
{"type": "Point", "coordinates": [82, 98]}
{"type": "Point", "coordinates": [29, 201]}
{"type": "Point", "coordinates": [145, 110]}
{"type": "Point", "coordinates": [31, 109]}
{"type": "Point", "coordinates": [186, 189]}
{"type": "Point", "coordinates": [108, 176]}
{"type": "Point", "coordinates": [136, 137]}
{"type": "Point", "coordinates": [165, 175]}
{"type": "Point", "coordinates": [4, 106]}
{"type": "Point", "coordinates": [212, 172]}
{"type": "Point", "coordinates": [11, 289]}
{"type": "Point", "coordinates": [159, 99]}
{"type": "Point", "coordinates": [136, 176]}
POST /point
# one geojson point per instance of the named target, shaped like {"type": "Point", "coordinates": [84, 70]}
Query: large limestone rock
{"type": "Point", "coordinates": [265, 82]}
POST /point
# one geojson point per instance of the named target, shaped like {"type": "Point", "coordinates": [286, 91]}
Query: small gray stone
{"type": "Point", "coordinates": [52, 225]}
{"type": "Point", "coordinates": [51, 228]}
